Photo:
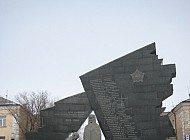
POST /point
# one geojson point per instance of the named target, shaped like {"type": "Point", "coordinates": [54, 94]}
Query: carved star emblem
{"type": "Point", "coordinates": [137, 76]}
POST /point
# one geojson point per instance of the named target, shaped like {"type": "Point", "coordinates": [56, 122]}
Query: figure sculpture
{"type": "Point", "coordinates": [92, 130]}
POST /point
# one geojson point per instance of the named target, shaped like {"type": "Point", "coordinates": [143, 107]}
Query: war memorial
{"type": "Point", "coordinates": [126, 96]}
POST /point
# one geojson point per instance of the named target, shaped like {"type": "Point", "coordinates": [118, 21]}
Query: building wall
{"type": "Point", "coordinates": [24, 124]}
{"type": "Point", "coordinates": [180, 119]}
{"type": "Point", "coordinates": [14, 127]}
{"type": "Point", "coordinates": [7, 130]}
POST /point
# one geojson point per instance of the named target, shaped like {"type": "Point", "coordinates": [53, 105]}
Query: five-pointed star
{"type": "Point", "coordinates": [137, 76]}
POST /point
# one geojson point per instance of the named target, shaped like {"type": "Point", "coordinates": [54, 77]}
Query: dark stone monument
{"type": "Point", "coordinates": [65, 117]}
{"type": "Point", "coordinates": [126, 96]}
{"type": "Point", "coordinates": [127, 93]}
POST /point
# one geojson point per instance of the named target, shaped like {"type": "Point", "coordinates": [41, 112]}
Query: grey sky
{"type": "Point", "coordinates": [47, 45]}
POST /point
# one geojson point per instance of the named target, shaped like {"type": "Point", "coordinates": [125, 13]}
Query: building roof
{"type": "Point", "coordinates": [183, 103]}
{"type": "Point", "coordinates": [186, 101]}
{"type": "Point", "coordinates": [4, 101]}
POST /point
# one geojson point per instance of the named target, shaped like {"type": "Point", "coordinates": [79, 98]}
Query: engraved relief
{"type": "Point", "coordinates": [137, 76]}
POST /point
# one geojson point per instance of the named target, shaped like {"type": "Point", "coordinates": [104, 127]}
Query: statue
{"type": "Point", "coordinates": [74, 136]}
{"type": "Point", "coordinates": [92, 130]}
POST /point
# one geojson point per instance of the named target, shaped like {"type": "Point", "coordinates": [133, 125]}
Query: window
{"type": "Point", "coordinates": [2, 138]}
{"type": "Point", "coordinates": [2, 122]}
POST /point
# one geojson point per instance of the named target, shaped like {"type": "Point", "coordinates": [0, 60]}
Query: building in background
{"type": "Point", "coordinates": [180, 119]}
{"type": "Point", "coordinates": [10, 113]}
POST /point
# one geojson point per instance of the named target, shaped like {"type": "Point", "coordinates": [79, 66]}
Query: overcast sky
{"type": "Point", "coordinates": [47, 45]}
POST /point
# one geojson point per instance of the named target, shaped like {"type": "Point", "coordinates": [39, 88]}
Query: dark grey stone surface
{"type": "Point", "coordinates": [127, 93]}
{"type": "Point", "coordinates": [126, 96]}
{"type": "Point", "coordinates": [65, 117]}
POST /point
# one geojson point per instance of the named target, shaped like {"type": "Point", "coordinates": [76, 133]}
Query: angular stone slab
{"type": "Point", "coordinates": [127, 93]}
{"type": "Point", "coordinates": [65, 117]}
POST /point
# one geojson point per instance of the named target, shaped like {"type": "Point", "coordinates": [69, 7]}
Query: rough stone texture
{"type": "Point", "coordinates": [65, 117]}
{"type": "Point", "coordinates": [127, 93]}
{"type": "Point", "coordinates": [126, 96]}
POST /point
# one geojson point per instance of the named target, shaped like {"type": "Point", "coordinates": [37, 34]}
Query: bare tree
{"type": "Point", "coordinates": [27, 116]}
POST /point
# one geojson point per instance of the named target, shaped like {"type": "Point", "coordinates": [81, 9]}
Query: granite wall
{"type": "Point", "coordinates": [65, 117]}
{"type": "Point", "coordinates": [127, 93]}
{"type": "Point", "coordinates": [126, 96]}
